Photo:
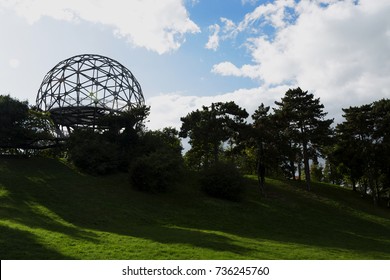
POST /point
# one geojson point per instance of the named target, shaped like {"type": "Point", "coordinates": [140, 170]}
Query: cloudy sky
{"type": "Point", "coordinates": [189, 53]}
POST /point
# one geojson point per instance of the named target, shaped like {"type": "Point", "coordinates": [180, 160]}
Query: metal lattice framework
{"type": "Point", "coordinates": [80, 90]}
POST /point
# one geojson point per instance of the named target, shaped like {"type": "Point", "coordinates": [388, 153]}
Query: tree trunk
{"type": "Point", "coordinates": [292, 169]}
{"type": "Point", "coordinates": [354, 185]}
{"type": "Point", "coordinates": [363, 188]}
{"type": "Point", "coordinates": [306, 166]}
{"type": "Point", "coordinates": [261, 169]}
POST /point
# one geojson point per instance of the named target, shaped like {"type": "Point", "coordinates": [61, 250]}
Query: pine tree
{"type": "Point", "coordinates": [262, 134]}
{"type": "Point", "coordinates": [363, 146]}
{"type": "Point", "coordinates": [212, 126]}
{"type": "Point", "coordinates": [305, 124]}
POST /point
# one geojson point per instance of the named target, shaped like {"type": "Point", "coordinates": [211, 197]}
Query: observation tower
{"type": "Point", "coordinates": [80, 91]}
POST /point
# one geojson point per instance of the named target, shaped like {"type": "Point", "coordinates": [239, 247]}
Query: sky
{"type": "Point", "coordinates": [190, 53]}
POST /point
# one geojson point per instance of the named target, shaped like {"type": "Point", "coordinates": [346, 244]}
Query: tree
{"type": "Point", "coordinates": [263, 141]}
{"type": "Point", "coordinates": [159, 163]}
{"type": "Point", "coordinates": [40, 129]}
{"type": "Point", "coordinates": [93, 152]}
{"type": "Point", "coordinates": [363, 147]}
{"type": "Point", "coordinates": [103, 151]}
{"type": "Point", "coordinates": [212, 126]}
{"type": "Point", "coordinates": [153, 140]}
{"type": "Point", "coordinates": [381, 136]}
{"type": "Point", "coordinates": [286, 151]}
{"type": "Point", "coordinates": [22, 127]}
{"type": "Point", "coordinates": [132, 120]}
{"type": "Point", "coordinates": [353, 142]}
{"type": "Point", "coordinates": [333, 172]}
{"type": "Point", "coordinates": [305, 124]}
{"type": "Point", "coordinates": [13, 114]}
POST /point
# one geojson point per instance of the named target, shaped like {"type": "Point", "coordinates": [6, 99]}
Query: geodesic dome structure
{"type": "Point", "coordinates": [80, 90]}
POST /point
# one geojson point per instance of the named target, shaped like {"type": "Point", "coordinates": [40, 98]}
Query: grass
{"type": "Point", "coordinates": [49, 211]}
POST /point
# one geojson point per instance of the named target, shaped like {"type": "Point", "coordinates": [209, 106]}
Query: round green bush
{"type": "Point", "coordinates": [222, 180]}
{"type": "Point", "coordinates": [93, 153]}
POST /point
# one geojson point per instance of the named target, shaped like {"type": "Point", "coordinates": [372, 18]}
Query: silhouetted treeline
{"type": "Point", "coordinates": [297, 141]}
{"type": "Point", "coordinates": [294, 139]}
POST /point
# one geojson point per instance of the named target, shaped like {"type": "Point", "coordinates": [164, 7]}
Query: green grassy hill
{"type": "Point", "coordinates": [49, 211]}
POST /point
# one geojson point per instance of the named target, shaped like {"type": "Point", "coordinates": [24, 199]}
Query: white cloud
{"type": "Point", "coordinates": [340, 51]}
{"type": "Point", "coordinates": [213, 42]}
{"type": "Point", "coordinates": [218, 33]}
{"type": "Point", "coordinates": [229, 25]}
{"type": "Point", "coordinates": [158, 26]}
{"type": "Point", "coordinates": [274, 14]}
{"type": "Point", "coordinates": [167, 109]}
{"type": "Point", "coordinates": [227, 68]}
{"type": "Point", "coordinates": [271, 13]}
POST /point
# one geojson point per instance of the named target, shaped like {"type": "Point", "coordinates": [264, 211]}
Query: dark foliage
{"type": "Point", "coordinates": [156, 172]}
{"type": "Point", "coordinates": [362, 151]}
{"type": "Point", "coordinates": [208, 129]}
{"type": "Point", "coordinates": [93, 153]}
{"type": "Point", "coordinates": [158, 164]}
{"type": "Point", "coordinates": [303, 124]}
{"type": "Point", "coordinates": [222, 180]}
{"type": "Point", "coordinates": [23, 128]}
{"type": "Point", "coordinates": [101, 152]}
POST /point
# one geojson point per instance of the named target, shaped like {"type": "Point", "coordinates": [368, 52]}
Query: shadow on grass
{"type": "Point", "coordinates": [193, 237]}
{"type": "Point", "coordinates": [66, 202]}
{"type": "Point", "coordinates": [20, 245]}
{"type": "Point", "coordinates": [290, 216]}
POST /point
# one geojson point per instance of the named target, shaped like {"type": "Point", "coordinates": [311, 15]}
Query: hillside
{"type": "Point", "coordinates": [49, 211]}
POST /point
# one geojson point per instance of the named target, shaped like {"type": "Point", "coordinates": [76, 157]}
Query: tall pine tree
{"type": "Point", "coordinates": [305, 123]}
{"type": "Point", "coordinates": [262, 134]}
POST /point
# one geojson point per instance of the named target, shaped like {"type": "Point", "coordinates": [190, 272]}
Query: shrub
{"type": "Point", "coordinates": [222, 180]}
{"type": "Point", "coordinates": [157, 163]}
{"type": "Point", "coordinates": [93, 153]}
{"type": "Point", "coordinates": [156, 172]}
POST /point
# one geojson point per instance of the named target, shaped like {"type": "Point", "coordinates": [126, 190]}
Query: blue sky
{"type": "Point", "coordinates": [190, 53]}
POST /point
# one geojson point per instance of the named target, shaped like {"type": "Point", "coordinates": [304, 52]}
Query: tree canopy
{"type": "Point", "coordinates": [282, 139]}
{"type": "Point", "coordinates": [23, 127]}
{"type": "Point", "coordinates": [363, 147]}
{"type": "Point", "coordinates": [303, 119]}
{"type": "Point", "coordinates": [211, 127]}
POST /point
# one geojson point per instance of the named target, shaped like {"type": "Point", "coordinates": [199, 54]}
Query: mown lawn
{"type": "Point", "coordinates": [49, 211]}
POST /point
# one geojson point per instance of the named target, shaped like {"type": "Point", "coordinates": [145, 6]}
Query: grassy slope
{"type": "Point", "coordinates": [48, 211]}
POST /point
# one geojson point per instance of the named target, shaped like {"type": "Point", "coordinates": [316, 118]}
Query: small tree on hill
{"type": "Point", "coordinates": [212, 126]}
